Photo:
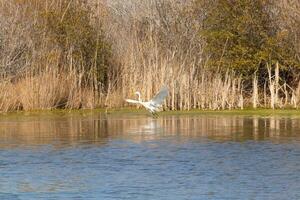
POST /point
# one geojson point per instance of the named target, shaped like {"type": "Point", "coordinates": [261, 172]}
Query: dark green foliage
{"type": "Point", "coordinates": [244, 35]}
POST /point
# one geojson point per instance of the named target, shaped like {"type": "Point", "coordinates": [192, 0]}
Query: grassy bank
{"type": "Point", "coordinates": [131, 111]}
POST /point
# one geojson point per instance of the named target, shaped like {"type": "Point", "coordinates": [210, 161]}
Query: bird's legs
{"type": "Point", "coordinates": [154, 114]}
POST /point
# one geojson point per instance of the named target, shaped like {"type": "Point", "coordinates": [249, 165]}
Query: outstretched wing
{"type": "Point", "coordinates": [159, 98]}
{"type": "Point", "coordinates": [131, 101]}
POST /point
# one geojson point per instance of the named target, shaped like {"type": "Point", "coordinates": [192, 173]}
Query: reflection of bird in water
{"type": "Point", "coordinates": [149, 127]}
{"type": "Point", "coordinates": [155, 104]}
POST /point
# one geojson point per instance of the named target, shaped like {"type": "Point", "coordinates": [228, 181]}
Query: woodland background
{"type": "Point", "coordinates": [212, 54]}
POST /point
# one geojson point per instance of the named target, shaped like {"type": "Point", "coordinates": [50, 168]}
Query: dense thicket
{"type": "Point", "coordinates": [246, 35]}
{"type": "Point", "coordinates": [212, 54]}
{"type": "Point", "coordinates": [62, 34]}
{"type": "Point", "coordinates": [70, 30]}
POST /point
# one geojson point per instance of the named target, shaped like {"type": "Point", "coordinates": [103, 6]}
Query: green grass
{"type": "Point", "coordinates": [260, 112]}
{"type": "Point", "coordinates": [247, 111]}
{"type": "Point", "coordinates": [127, 110]}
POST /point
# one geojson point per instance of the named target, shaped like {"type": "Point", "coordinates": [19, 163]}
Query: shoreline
{"type": "Point", "coordinates": [129, 110]}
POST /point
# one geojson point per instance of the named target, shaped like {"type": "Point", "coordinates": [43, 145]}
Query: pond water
{"type": "Point", "coordinates": [135, 156]}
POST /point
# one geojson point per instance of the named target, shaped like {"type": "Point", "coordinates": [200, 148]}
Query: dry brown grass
{"type": "Point", "coordinates": [48, 90]}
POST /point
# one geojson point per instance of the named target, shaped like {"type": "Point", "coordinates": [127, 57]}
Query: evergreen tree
{"type": "Point", "coordinates": [243, 35]}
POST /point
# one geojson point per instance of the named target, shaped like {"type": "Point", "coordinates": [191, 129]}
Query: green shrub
{"type": "Point", "coordinates": [243, 35]}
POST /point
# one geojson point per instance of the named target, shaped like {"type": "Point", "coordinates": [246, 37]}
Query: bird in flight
{"type": "Point", "coordinates": [154, 105]}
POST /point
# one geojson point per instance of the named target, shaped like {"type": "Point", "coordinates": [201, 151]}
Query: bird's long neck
{"type": "Point", "coordinates": [139, 97]}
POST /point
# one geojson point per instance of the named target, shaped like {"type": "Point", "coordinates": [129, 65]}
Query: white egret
{"type": "Point", "coordinates": [155, 104]}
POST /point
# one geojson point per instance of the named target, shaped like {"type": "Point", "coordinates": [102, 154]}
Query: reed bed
{"type": "Point", "coordinates": [45, 62]}
{"type": "Point", "coordinates": [189, 88]}
{"type": "Point", "coordinates": [48, 90]}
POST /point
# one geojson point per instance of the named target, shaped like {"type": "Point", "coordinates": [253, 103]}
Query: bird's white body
{"type": "Point", "coordinates": [155, 104]}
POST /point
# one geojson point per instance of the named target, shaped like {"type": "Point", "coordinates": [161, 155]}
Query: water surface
{"type": "Point", "coordinates": [135, 156]}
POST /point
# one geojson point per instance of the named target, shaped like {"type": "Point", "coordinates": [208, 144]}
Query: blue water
{"type": "Point", "coordinates": [137, 157]}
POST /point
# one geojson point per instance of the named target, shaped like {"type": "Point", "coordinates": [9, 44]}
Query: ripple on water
{"type": "Point", "coordinates": [137, 157]}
